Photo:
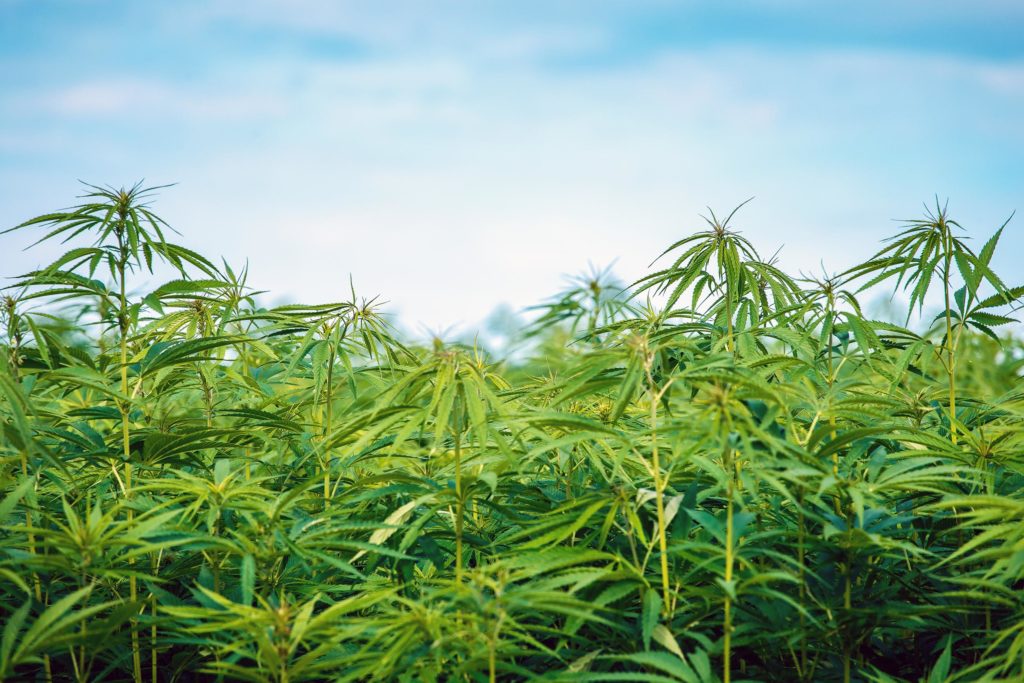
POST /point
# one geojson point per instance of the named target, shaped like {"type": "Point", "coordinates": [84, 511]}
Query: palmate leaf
{"type": "Point", "coordinates": [24, 641]}
{"type": "Point", "coordinates": [926, 248]}
{"type": "Point", "coordinates": [169, 354]}
{"type": "Point", "coordinates": [14, 496]}
{"type": "Point", "coordinates": [61, 284]}
{"type": "Point", "coordinates": [18, 409]}
{"type": "Point", "coordinates": [650, 616]}
{"type": "Point", "coordinates": [187, 288]}
{"type": "Point", "coordinates": [1008, 297]}
{"type": "Point", "coordinates": [990, 319]}
{"type": "Point", "coordinates": [74, 258]}
{"type": "Point", "coordinates": [86, 378]}
{"type": "Point", "coordinates": [158, 446]}
{"type": "Point", "coordinates": [728, 250]}
{"type": "Point", "coordinates": [556, 528]}
{"type": "Point", "coordinates": [671, 664]}
{"type": "Point", "coordinates": [111, 216]}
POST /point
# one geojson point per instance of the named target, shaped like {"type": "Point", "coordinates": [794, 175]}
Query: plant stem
{"type": "Point", "coordinates": [155, 564]}
{"type": "Point", "coordinates": [727, 462]}
{"type": "Point", "coordinates": [728, 312]}
{"type": "Point", "coordinates": [846, 606]}
{"type": "Point", "coordinates": [659, 495]}
{"type": "Point", "coordinates": [14, 338]}
{"type": "Point", "coordinates": [458, 502]}
{"type": "Point", "coordinates": [801, 559]}
{"type": "Point", "coordinates": [847, 599]}
{"type": "Point", "coordinates": [830, 321]}
{"type": "Point", "coordinates": [950, 348]}
{"type": "Point", "coordinates": [329, 418]}
{"type": "Point", "coordinates": [36, 583]}
{"type": "Point", "coordinates": [122, 321]}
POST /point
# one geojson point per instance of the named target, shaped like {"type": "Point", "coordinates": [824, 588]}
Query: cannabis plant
{"type": "Point", "coordinates": [724, 472]}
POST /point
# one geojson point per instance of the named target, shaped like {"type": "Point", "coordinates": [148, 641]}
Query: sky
{"type": "Point", "coordinates": [454, 156]}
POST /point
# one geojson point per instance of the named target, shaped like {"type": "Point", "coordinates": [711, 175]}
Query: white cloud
{"type": "Point", "coordinates": [118, 98]}
{"type": "Point", "coordinates": [449, 184]}
{"type": "Point", "coordinates": [1004, 78]}
{"type": "Point", "coordinates": [481, 31]}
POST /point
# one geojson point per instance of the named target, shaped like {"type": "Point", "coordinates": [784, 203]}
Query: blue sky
{"type": "Point", "coordinates": [455, 155]}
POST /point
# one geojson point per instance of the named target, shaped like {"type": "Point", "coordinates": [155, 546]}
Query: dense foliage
{"type": "Point", "coordinates": [721, 473]}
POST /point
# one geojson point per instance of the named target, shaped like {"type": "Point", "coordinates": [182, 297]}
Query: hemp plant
{"type": "Point", "coordinates": [721, 473]}
{"type": "Point", "coordinates": [930, 248]}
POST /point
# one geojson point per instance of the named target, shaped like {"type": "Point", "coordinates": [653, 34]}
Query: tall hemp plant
{"type": "Point", "coordinates": [126, 237]}
{"type": "Point", "coordinates": [332, 334]}
{"type": "Point", "coordinates": [931, 248]}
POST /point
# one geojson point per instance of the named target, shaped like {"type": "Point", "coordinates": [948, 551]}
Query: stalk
{"type": "Point", "coordinates": [329, 418]}
{"type": "Point", "coordinates": [568, 479]}
{"type": "Point", "coordinates": [847, 601]}
{"type": "Point", "coordinates": [458, 502]}
{"type": "Point", "coordinates": [659, 483]}
{"type": "Point", "coordinates": [847, 604]}
{"type": "Point", "coordinates": [950, 347]}
{"type": "Point", "coordinates": [243, 357]}
{"type": "Point", "coordinates": [492, 647]}
{"type": "Point", "coordinates": [122, 320]}
{"type": "Point", "coordinates": [723, 275]}
{"type": "Point", "coordinates": [153, 641]}
{"type": "Point", "coordinates": [81, 670]}
{"type": "Point", "coordinates": [727, 464]}
{"type": "Point", "coordinates": [37, 587]}
{"type": "Point", "coordinates": [14, 339]}
{"type": "Point", "coordinates": [207, 398]}
{"type": "Point", "coordinates": [727, 611]}
{"type": "Point", "coordinates": [728, 317]}
{"type": "Point", "coordinates": [830, 320]}
{"type": "Point", "coordinates": [155, 564]}
{"type": "Point", "coordinates": [595, 291]}
{"type": "Point", "coordinates": [801, 558]}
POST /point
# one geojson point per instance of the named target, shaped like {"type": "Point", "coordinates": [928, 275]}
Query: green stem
{"type": "Point", "coordinates": [155, 564]}
{"type": "Point", "coordinates": [328, 420]}
{"type": "Point", "coordinates": [801, 559]}
{"type": "Point", "coordinates": [458, 503]}
{"type": "Point", "coordinates": [847, 601]}
{"type": "Point", "coordinates": [14, 339]}
{"type": "Point", "coordinates": [729, 561]}
{"type": "Point", "coordinates": [37, 586]}
{"type": "Point", "coordinates": [830, 319]}
{"type": "Point", "coordinates": [728, 313]}
{"type": "Point", "coordinates": [122, 320]}
{"type": "Point", "coordinates": [659, 495]}
{"type": "Point", "coordinates": [950, 348]}
{"type": "Point", "coordinates": [846, 606]}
